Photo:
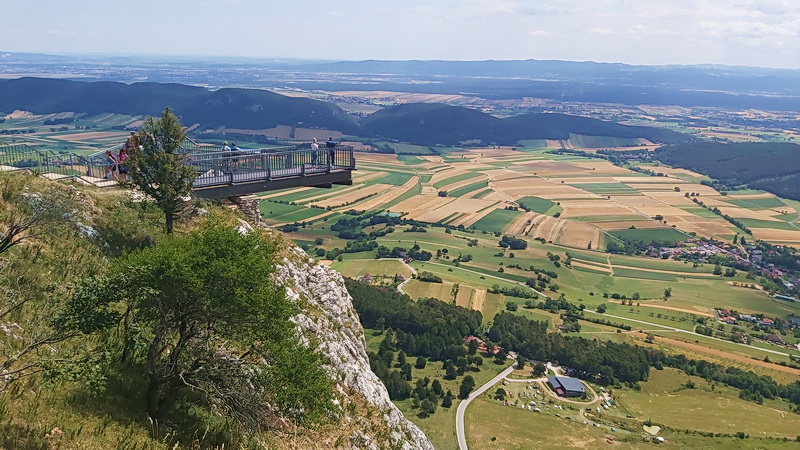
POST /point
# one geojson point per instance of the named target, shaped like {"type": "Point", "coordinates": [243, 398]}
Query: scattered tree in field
{"type": "Point", "coordinates": [667, 293]}
{"type": "Point", "coordinates": [420, 363]}
{"type": "Point", "coordinates": [539, 369]}
{"type": "Point", "coordinates": [500, 394]}
{"type": "Point", "coordinates": [157, 169]}
{"type": "Point", "coordinates": [467, 385]}
{"type": "Point", "coordinates": [601, 308]}
{"type": "Point", "coordinates": [447, 401]}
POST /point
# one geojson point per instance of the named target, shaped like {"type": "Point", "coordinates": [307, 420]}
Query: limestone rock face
{"type": "Point", "coordinates": [329, 320]}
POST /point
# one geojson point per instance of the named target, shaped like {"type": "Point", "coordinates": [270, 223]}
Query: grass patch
{"type": "Point", "coordinates": [540, 205]}
{"type": "Point", "coordinates": [665, 399]}
{"type": "Point", "coordinates": [455, 179]}
{"type": "Point", "coordinates": [395, 178]}
{"type": "Point", "coordinates": [650, 234]}
{"type": "Point", "coordinates": [468, 188]}
{"type": "Point", "coordinates": [757, 203]}
{"type": "Point", "coordinates": [632, 273]}
{"type": "Point", "coordinates": [605, 188]}
{"type": "Point", "coordinates": [497, 220]}
{"type": "Point", "coordinates": [773, 224]}
{"type": "Point", "coordinates": [410, 159]}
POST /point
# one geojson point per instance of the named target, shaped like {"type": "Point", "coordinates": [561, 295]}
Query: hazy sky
{"type": "Point", "coordinates": [737, 32]}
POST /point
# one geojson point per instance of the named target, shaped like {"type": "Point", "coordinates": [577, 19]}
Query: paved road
{"type": "Point", "coordinates": [462, 407]}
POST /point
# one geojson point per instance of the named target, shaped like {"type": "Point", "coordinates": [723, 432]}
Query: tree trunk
{"type": "Point", "coordinates": [169, 219]}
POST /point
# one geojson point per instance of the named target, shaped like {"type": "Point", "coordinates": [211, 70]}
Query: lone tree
{"type": "Point", "coordinates": [196, 312]}
{"type": "Point", "coordinates": [157, 168]}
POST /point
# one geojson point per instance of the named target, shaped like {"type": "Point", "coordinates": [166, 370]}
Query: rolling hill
{"type": "Point", "coordinates": [234, 108]}
{"type": "Point", "coordinates": [773, 167]}
{"type": "Point", "coordinates": [429, 123]}
{"type": "Point", "coordinates": [253, 109]}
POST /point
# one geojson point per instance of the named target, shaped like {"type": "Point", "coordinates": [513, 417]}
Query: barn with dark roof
{"type": "Point", "coordinates": [566, 386]}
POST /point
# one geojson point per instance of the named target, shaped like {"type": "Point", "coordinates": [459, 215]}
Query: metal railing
{"type": "Point", "coordinates": [24, 157]}
{"type": "Point", "coordinates": [220, 168]}
{"type": "Point", "coordinates": [214, 167]}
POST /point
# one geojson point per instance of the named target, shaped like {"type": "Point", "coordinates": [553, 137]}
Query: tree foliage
{"type": "Point", "coordinates": [198, 312]}
{"type": "Point", "coordinates": [157, 169]}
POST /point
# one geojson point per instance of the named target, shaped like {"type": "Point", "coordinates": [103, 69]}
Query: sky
{"type": "Point", "coordinates": [763, 33]}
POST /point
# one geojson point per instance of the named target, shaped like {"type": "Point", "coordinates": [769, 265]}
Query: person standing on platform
{"type": "Point", "coordinates": [314, 152]}
{"type": "Point", "coordinates": [331, 145]}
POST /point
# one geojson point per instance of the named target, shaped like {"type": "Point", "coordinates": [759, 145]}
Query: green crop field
{"type": "Point", "coordinates": [650, 234]}
{"type": "Point", "coordinates": [533, 144]}
{"type": "Point", "coordinates": [468, 188]}
{"type": "Point", "coordinates": [774, 224]}
{"type": "Point", "coordinates": [757, 203]}
{"type": "Point", "coordinates": [410, 160]}
{"type": "Point", "coordinates": [455, 179]}
{"type": "Point", "coordinates": [395, 178]}
{"type": "Point", "coordinates": [540, 205]}
{"type": "Point", "coordinates": [497, 220]}
{"type": "Point", "coordinates": [605, 188]}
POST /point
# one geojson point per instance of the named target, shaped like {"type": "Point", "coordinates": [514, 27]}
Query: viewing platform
{"type": "Point", "coordinates": [220, 173]}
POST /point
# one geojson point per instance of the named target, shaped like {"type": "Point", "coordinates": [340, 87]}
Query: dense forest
{"type": "Point", "coordinates": [431, 124]}
{"type": "Point", "coordinates": [773, 167]}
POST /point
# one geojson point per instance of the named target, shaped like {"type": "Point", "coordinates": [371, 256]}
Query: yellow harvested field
{"type": "Point", "coordinates": [379, 158]}
{"type": "Point", "coordinates": [600, 167]}
{"type": "Point", "coordinates": [648, 206]}
{"type": "Point", "coordinates": [591, 208]}
{"type": "Point", "coordinates": [578, 234]}
{"type": "Point", "coordinates": [83, 137]}
{"type": "Point", "coordinates": [445, 174]}
{"type": "Point", "coordinates": [452, 186]}
{"type": "Point", "coordinates": [587, 180]}
{"type": "Point", "coordinates": [387, 196]}
{"type": "Point", "coordinates": [751, 196]}
{"type": "Point", "coordinates": [522, 224]}
{"type": "Point", "coordinates": [675, 171]}
{"type": "Point", "coordinates": [434, 208]}
{"type": "Point", "coordinates": [317, 194]}
{"type": "Point", "coordinates": [743, 213]}
{"type": "Point", "coordinates": [18, 114]}
{"type": "Point", "coordinates": [352, 196]}
{"type": "Point", "coordinates": [771, 234]}
{"type": "Point", "coordinates": [624, 225]}
{"type": "Point", "coordinates": [285, 192]}
{"type": "Point", "coordinates": [363, 176]}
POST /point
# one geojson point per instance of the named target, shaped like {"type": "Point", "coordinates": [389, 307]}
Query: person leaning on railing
{"type": "Point", "coordinates": [122, 168]}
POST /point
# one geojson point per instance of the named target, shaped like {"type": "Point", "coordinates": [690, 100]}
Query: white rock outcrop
{"type": "Point", "coordinates": [329, 319]}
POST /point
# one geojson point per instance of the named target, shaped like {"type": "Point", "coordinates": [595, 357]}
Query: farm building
{"type": "Point", "coordinates": [566, 386]}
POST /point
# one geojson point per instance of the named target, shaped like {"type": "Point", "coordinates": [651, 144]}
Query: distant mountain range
{"type": "Point", "coordinates": [253, 109]}
{"type": "Point", "coordinates": [235, 108]}
{"type": "Point", "coordinates": [568, 81]}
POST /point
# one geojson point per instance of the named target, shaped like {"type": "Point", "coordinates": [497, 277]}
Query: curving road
{"type": "Point", "coordinates": [462, 407]}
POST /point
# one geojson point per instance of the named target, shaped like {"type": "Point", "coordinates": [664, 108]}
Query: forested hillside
{"type": "Point", "coordinates": [430, 124]}
{"type": "Point", "coordinates": [233, 108]}
{"type": "Point", "coordinates": [773, 167]}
